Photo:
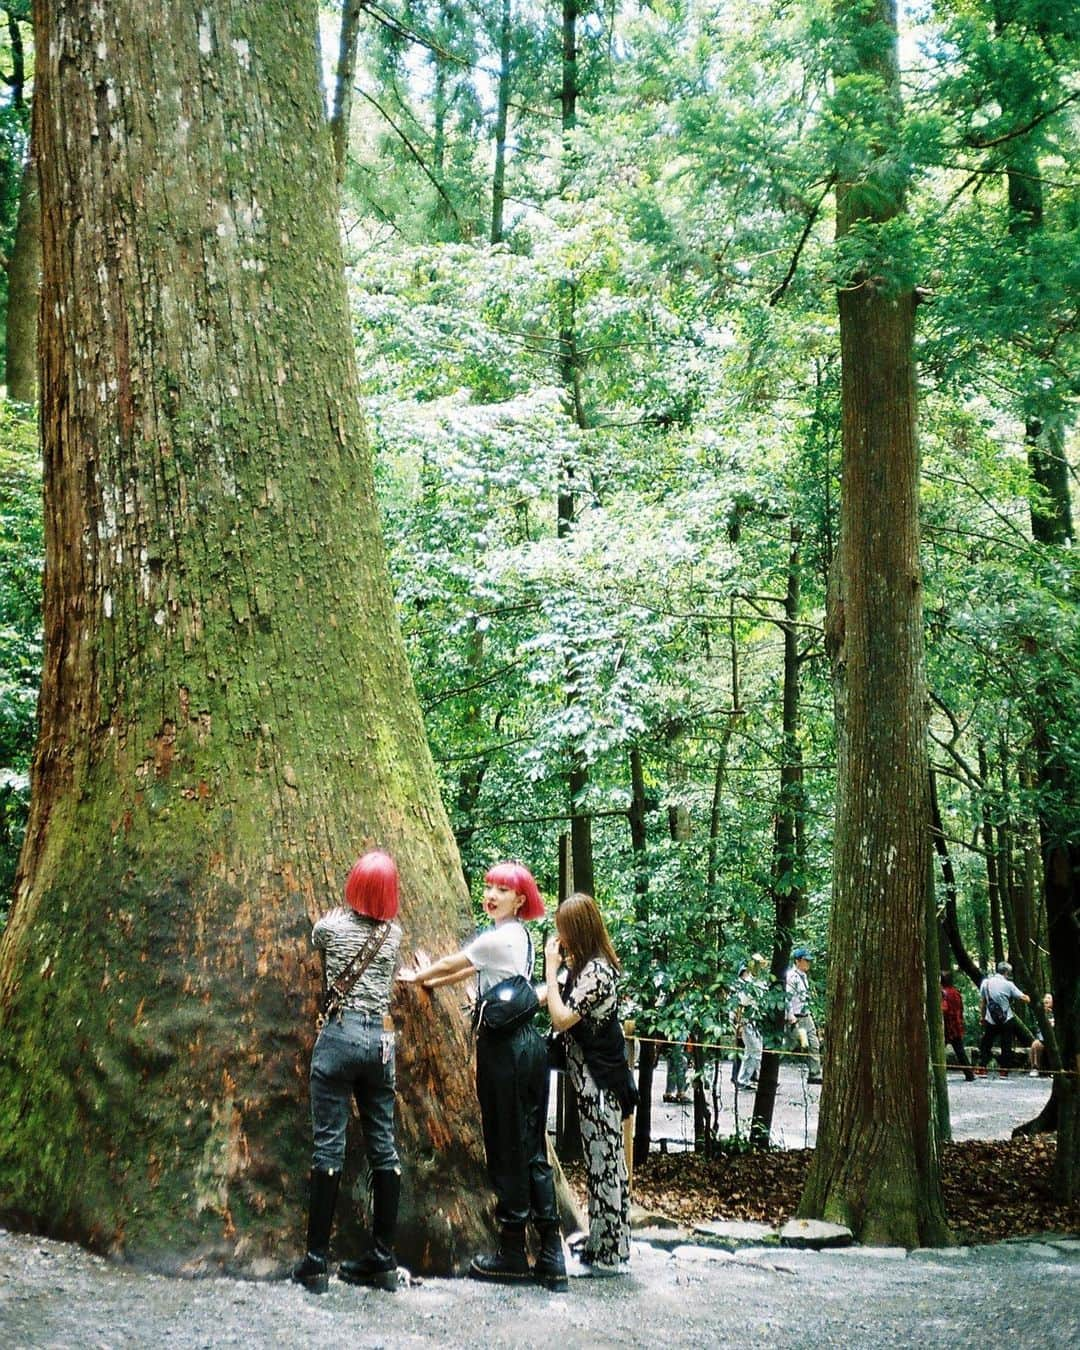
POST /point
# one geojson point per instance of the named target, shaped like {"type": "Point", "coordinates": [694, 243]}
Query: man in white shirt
{"type": "Point", "coordinates": [996, 1015]}
{"type": "Point", "coordinates": [802, 1029]}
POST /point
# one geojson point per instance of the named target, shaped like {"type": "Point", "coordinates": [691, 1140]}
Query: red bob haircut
{"type": "Point", "coordinates": [520, 879]}
{"type": "Point", "coordinates": [372, 886]}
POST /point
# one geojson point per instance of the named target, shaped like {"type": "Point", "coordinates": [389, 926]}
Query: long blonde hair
{"type": "Point", "coordinates": [582, 931]}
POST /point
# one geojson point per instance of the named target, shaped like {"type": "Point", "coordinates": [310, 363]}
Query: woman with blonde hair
{"type": "Point", "coordinates": [585, 1012]}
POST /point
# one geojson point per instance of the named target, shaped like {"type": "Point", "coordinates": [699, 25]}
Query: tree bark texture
{"type": "Point", "coordinates": [226, 718]}
{"type": "Point", "coordinates": [876, 1167]}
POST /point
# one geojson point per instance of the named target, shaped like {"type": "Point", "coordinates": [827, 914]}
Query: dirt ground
{"type": "Point", "coordinates": [679, 1293]}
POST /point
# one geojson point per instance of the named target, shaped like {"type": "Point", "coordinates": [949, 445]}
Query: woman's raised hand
{"type": "Point", "coordinates": [553, 954]}
{"type": "Point", "coordinates": [413, 974]}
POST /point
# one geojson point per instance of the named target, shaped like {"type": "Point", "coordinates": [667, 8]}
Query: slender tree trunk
{"type": "Point", "coordinates": [348, 42]}
{"type": "Point", "coordinates": [226, 717]}
{"type": "Point", "coordinates": [569, 91]}
{"type": "Point", "coordinates": [24, 291]}
{"type": "Point", "coordinates": [639, 852]}
{"type": "Point", "coordinates": [502, 110]}
{"type": "Point", "coordinates": [786, 890]}
{"type": "Point", "coordinates": [950, 922]}
{"type": "Point", "coordinates": [939, 1083]}
{"type": "Point", "coordinates": [876, 1165]}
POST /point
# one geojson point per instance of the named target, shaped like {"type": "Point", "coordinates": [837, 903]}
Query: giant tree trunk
{"type": "Point", "coordinates": [227, 717]}
{"type": "Point", "coordinates": [876, 1165]}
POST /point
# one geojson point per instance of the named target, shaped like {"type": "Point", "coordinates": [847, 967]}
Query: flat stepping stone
{"type": "Point", "coordinates": [814, 1235]}
{"type": "Point", "coordinates": [879, 1253]}
{"type": "Point", "coordinates": [732, 1234]}
{"type": "Point", "coordinates": [668, 1237]}
{"type": "Point", "coordinates": [695, 1252]}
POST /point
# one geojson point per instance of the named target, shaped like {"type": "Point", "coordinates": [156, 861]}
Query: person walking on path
{"type": "Point", "coordinates": [802, 1029]}
{"type": "Point", "coordinates": [353, 1060]}
{"type": "Point", "coordinates": [511, 1083]}
{"type": "Point", "coordinates": [749, 991]}
{"type": "Point", "coordinates": [952, 1013]}
{"type": "Point", "coordinates": [584, 1012]}
{"type": "Point", "coordinates": [996, 1015]}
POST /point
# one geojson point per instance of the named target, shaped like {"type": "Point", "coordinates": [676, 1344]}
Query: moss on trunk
{"type": "Point", "coordinates": [227, 716]}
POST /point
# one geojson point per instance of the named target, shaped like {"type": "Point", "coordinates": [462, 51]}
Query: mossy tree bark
{"type": "Point", "coordinates": [226, 715]}
{"type": "Point", "coordinates": [875, 1167]}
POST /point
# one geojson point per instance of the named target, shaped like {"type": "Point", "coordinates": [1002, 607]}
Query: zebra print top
{"type": "Point", "coordinates": [340, 934]}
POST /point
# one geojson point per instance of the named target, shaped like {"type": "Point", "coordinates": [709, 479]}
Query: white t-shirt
{"type": "Point", "coordinates": [798, 991]}
{"type": "Point", "coordinates": [499, 952]}
{"type": "Point", "coordinates": [999, 990]}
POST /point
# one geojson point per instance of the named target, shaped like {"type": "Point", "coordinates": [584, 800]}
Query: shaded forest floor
{"type": "Point", "coordinates": [994, 1189]}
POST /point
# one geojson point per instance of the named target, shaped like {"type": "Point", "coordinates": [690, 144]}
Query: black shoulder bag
{"type": "Point", "coordinates": [509, 1004]}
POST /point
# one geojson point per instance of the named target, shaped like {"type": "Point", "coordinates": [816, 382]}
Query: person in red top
{"type": "Point", "coordinates": [952, 1010]}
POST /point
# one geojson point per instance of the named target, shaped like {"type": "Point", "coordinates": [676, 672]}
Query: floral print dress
{"type": "Point", "coordinates": [594, 996]}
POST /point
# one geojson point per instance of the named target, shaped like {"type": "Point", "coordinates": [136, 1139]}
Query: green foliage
{"type": "Point", "coordinates": [21, 559]}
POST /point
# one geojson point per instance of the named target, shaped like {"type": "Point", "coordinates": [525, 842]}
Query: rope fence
{"type": "Point", "coordinates": [690, 1045]}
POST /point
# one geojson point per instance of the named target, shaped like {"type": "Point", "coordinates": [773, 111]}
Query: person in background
{"type": "Point", "coordinates": [1036, 1050]}
{"type": "Point", "coordinates": [511, 1084]}
{"type": "Point", "coordinates": [675, 1075]}
{"type": "Point", "coordinates": [952, 1013]}
{"type": "Point", "coordinates": [802, 1029]}
{"type": "Point", "coordinates": [353, 1060]}
{"type": "Point", "coordinates": [585, 1012]}
{"type": "Point", "coordinates": [996, 1015]}
{"type": "Point", "coordinates": [748, 993]}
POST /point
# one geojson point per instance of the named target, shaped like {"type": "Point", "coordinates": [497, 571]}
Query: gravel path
{"type": "Point", "coordinates": [54, 1296]}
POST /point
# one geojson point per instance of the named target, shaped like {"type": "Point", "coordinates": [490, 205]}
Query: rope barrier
{"type": "Point", "coordinates": [692, 1045]}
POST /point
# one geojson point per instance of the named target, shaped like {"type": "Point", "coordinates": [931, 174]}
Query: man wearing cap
{"type": "Point", "coordinates": [802, 1029]}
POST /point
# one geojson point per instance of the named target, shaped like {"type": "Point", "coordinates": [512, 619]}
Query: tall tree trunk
{"type": "Point", "coordinates": [647, 1055]}
{"type": "Point", "coordinates": [502, 110]}
{"type": "Point", "coordinates": [786, 890]}
{"type": "Point", "coordinates": [24, 291]}
{"type": "Point", "coordinates": [876, 1165]}
{"type": "Point", "coordinates": [226, 715]}
{"type": "Point", "coordinates": [568, 96]}
{"type": "Point", "coordinates": [950, 920]}
{"type": "Point", "coordinates": [1052, 528]}
{"type": "Point", "coordinates": [340, 117]}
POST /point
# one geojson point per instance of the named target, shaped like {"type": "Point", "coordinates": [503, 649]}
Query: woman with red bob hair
{"type": "Point", "coordinates": [353, 1059]}
{"type": "Point", "coordinates": [511, 1084]}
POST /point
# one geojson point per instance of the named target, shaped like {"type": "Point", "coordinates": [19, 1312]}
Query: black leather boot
{"type": "Point", "coordinates": [550, 1268]}
{"type": "Point", "coordinates": [509, 1264]}
{"type": "Point", "coordinates": [378, 1267]}
{"type": "Point", "coordinates": [313, 1272]}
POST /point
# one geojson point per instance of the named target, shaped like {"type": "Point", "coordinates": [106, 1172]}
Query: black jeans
{"type": "Point", "coordinates": [512, 1086]}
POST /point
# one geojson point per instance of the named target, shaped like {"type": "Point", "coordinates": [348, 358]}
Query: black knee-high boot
{"type": "Point", "coordinates": [313, 1271]}
{"type": "Point", "coordinates": [379, 1266]}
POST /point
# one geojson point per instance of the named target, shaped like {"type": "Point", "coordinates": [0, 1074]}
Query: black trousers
{"type": "Point", "coordinates": [961, 1056]}
{"type": "Point", "coordinates": [1004, 1033]}
{"type": "Point", "coordinates": [512, 1086]}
